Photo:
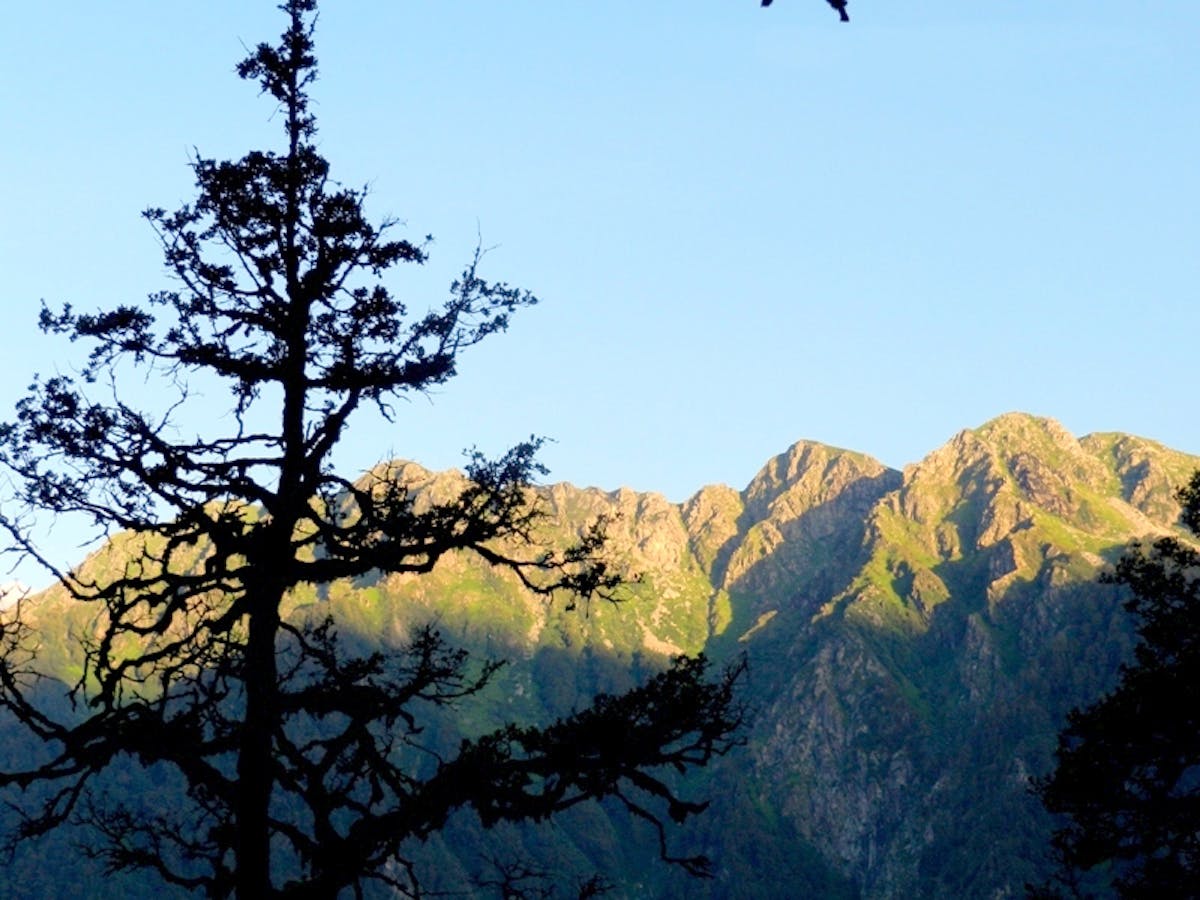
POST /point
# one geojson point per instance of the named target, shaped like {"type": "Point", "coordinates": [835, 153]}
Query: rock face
{"type": "Point", "coordinates": [915, 640]}
{"type": "Point", "coordinates": [930, 685]}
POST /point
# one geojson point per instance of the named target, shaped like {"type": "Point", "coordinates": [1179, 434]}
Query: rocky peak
{"type": "Point", "coordinates": [1149, 473]}
{"type": "Point", "coordinates": [1043, 457]}
{"type": "Point", "coordinates": [802, 525]}
{"type": "Point", "coordinates": [1004, 473]}
{"type": "Point", "coordinates": [807, 474]}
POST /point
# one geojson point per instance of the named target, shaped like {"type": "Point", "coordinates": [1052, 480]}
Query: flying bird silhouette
{"type": "Point", "coordinates": [839, 5]}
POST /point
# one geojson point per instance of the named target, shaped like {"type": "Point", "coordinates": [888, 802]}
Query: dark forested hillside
{"type": "Point", "coordinates": [915, 640]}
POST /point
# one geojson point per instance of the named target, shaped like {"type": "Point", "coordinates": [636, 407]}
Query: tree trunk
{"type": "Point", "coordinates": [255, 770]}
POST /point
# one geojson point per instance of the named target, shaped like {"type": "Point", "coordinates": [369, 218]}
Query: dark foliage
{"type": "Point", "coordinates": [838, 5]}
{"type": "Point", "coordinates": [1128, 777]}
{"type": "Point", "coordinates": [301, 759]}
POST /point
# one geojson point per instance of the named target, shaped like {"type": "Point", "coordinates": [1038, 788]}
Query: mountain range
{"type": "Point", "coordinates": [915, 639]}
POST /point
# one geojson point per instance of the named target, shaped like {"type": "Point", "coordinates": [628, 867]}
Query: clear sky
{"type": "Point", "coordinates": [746, 226]}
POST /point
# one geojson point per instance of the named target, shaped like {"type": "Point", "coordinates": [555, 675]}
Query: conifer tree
{"type": "Point", "coordinates": [293, 749]}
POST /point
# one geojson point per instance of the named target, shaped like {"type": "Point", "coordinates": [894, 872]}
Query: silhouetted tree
{"type": "Point", "coordinates": [838, 5]}
{"type": "Point", "coordinates": [295, 752]}
{"type": "Point", "coordinates": [1128, 775]}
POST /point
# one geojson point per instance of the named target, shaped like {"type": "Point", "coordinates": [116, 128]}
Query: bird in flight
{"type": "Point", "coordinates": [839, 5]}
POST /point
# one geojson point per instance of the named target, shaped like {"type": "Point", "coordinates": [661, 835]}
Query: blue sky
{"type": "Point", "coordinates": [746, 226]}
